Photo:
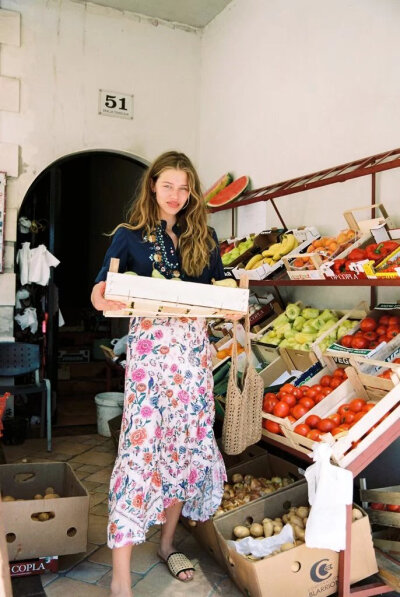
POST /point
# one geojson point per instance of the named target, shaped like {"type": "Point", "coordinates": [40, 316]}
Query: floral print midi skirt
{"type": "Point", "coordinates": [167, 450]}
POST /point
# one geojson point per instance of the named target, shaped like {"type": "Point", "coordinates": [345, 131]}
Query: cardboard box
{"type": "Point", "coordinates": [304, 235]}
{"type": "Point", "coordinates": [301, 571]}
{"type": "Point", "coordinates": [153, 297]}
{"type": "Point", "coordinates": [267, 466]}
{"type": "Point", "coordinates": [66, 533]}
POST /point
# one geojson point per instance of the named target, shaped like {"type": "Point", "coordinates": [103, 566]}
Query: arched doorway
{"type": "Point", "coordinates": [73, 203]}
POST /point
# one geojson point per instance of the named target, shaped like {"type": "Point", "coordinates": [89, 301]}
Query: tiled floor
{"type": "Point", "coordinates": [89, 574]}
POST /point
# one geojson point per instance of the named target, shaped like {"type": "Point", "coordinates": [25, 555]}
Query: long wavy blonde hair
{"type": "Point", "coordinates": [195, 240]}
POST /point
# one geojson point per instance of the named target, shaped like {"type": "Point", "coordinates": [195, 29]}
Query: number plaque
{"type": "Point", "coordinates": [112, 103]}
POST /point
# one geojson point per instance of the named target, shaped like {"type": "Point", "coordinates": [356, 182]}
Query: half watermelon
{"type": "Point", "coordinates": [231, 192]}
{"type": "Point", "coordinates": [218, 186]}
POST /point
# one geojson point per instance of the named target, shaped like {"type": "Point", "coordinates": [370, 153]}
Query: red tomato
{"type": "Point", "coordinates": [367, 407]}
{"type": "Point", "coordinates": [393, 508]}
{"type": "Point", "coordinates": [326, 391]}
{"type": "Point", "coordinates": [381, 330]}
{"type": "Point", "coordinates": [339, 429]}
{"type": "Point", "coordinates": [335, 382]}
{"type": "Point", "coordinates": [346, 340]}
{"type": "Point", "coordinates": [343, 409]}
{"type": "Point", "coordinates": [299, 410]}
{"type": "Point", "coordinates": [289, 399]}
{"type": "Point", "coordinates": [325, 380]}
{"type": "Point", "coordinates": [384, 320]}
{"type": "Point", "coordinates": [314, 435]}
{"type": "Point", "coordinates": [326, 425]}
{"type": "Point", "coordinates": [339, 372]}
{"type": "Point", "coordinates": [375, 343]}
{"type": "Point", "coordinates": [297, 392]}
{"type": "Point", "coordinates": [287, 387]}
{"type": "Point", "coordinates": [317, 387]}
{"type": "Point", "coordinates": [358, 416]}
{"type": "Point", "coordinates": [377, 506]}
{"type": "Point", "coordinates": [370, 336]}
{"type": "Point", "coordinates": [335, 418]}
{"type": "Point", "coordinates": [281, 409]}
{"type": "Point", "coordinates": [394, 320]}
{"type": "Point", "coordinates": [302, 429]}
{"type": "Point", "coordinates": [271, 426]}
{"type": "Point", "coordinates": [392, 331]}
{"type": "Point", "coordinates": [320, 396]}
{"type": "Point", "coordinates": [349, 417]}
{"type": "Point", "coordinates": [312, 421]}
{"type": "Point", "coordinates": [311, 393]}
{"type": "Point", "coordinates": [307, 402]}
{"type": "Point", "coordinates": [291, 418]}
{"type": "Point", "coordinates": [359, 342]}
{"type": "Point", "coordinates": [357, 405]}
{"type": "Point", "coordinates": [304, 389]}
{"type": "Point", "coordinates": [368, 324]}
{"type": "Point", "coordinates": [269, 402]}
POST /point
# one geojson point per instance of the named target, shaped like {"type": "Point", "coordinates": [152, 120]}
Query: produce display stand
{"type": "Point", "coordinates": [362, 167]}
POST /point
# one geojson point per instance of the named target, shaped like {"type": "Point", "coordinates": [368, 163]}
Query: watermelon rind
{"type": "Point", "coordinates": [230, 192]}
{"type": "Point", "coordinates": [221, 183]}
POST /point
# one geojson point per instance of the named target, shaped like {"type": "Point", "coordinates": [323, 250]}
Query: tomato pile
{"type": "Point", "coordinates": [294, 402]}
{"type": "Point", "coordinates": [372, 332]}
{"type": "Point", "coordinates": [375, 252]}
{"type": "Point", "coordinates": [337, 423]}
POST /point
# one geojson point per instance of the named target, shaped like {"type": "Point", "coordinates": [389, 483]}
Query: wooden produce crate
{"type": "Point", "coordinates": [383, 495]}
{"type": "Point", "coordinates": [260, 241]}
{"type": "Point", "coordinates": [368, 369]}
{"type": "Point", "coordinates": [372, 225]}
{"type": "Point", "coordinates": [358, 271]}
{"type": "Point", "coordinates": [303, 273]}
{"type": "Point", "coordinates": [362, 434]}
{"type": "Point", "coordinates": [376, 272]}
{"type": "Point", "coordinates": [388, 540]}
{"type": "Point", "coordinates": [304, 236]}
{"type": "Point", "coordinates": [179, 299]}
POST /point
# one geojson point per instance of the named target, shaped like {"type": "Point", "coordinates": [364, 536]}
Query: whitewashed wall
{"type": "Point", "coordinates": [289, 88]}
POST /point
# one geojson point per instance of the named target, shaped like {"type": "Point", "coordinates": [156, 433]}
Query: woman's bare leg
{"type": "Point", "coordinates": [121, 578]}
{"type": "Point", "coordinates": [167, 536]}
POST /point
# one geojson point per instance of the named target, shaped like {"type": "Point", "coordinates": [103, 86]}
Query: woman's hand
{"type": "Point", "coordinates": [102, 304]}
{"type": "Point", "coordinates": [232, 316]}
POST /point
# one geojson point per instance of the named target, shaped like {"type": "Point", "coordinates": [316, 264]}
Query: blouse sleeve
{"type": "Point", "coordinates": [117, 249]}
{"type": "Point", "coordinates": [216, 267]}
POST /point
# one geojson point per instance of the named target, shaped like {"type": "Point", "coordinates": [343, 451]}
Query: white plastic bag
{"type": "Point", "coordinates": [330, 489]}
{"type": "Point", "coordinates": [263, 547]}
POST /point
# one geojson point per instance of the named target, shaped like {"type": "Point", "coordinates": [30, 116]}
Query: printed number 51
{"type": "Point", "coordinates": [111, 102]}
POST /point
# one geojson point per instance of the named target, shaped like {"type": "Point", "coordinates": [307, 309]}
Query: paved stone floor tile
{"type": "Point", "coordinates": [159, 582]}
{"type": "Point", "coordinates": [67, 562]}
{"type": "Point", "coordinates": [97, 498]}
{"type": "Point", "coordinates": [101, 556]}
{"type": "Point", "coordinates": [81, 474]}
{"type": "Point", "coordinates": [227, 588]}
{"type": "Point", "coordinates": [48, 578]}
{"type": "Point", "coordinates": [97, 532]}
{"type": "Point", "coordinates": [70, 447]}
{"type": "Point", "coordinates": [144, 556]}
{"type": "Point", "coordinates": [67, 587]}
{"type": "Point", "coordinates": [90, 468]}
{"type": "Point", "coordinates": [106, 580]}
{"type": "Point", "coordinates": [102, 476]}
{"type": "Point", "coordinates": [100, 487]}
{"type": "Point", "coordinates": [95, 457]}
{"type": "Point", "coordinates": [100, 509]}
{"type": "Point", "coordinates": [88, 572]}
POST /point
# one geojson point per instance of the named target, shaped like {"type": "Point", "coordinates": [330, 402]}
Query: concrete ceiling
{"type": "Point", "coordinates": [196, 13]}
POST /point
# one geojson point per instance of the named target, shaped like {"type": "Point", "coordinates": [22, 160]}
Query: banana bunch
{"type": "Point", "coordinates": [278, 250]}
{"type": "Point", "coordinates": [274, 253]}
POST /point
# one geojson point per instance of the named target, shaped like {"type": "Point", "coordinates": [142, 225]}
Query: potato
{"type": "Point", "coordinates": [49, 490]}
{"type": "Point", "coordinates": [296, 520]}
{"type": "Point", "coordinates": [302, 511]}
{"type": "Point", "coordinates": [38, 496]}
{"type": "Point", "coordinates": [248, 479]}
{"type": "Point", "coordinates": [287, 546]}
{"type": "Point", "coordinates": [193, 523]}
{"type": "Point", "coordinates": [237, 478]}
{"type": "Point", "coordinates": [51, 496]}
{"type": "Point", "coordinates": [240, 531]}
{"type": "Point", "coordinates": [256, 530]}
{"type": "Point", "coordinates": [277, 527]}
{"type": "Point", "coordinates": [285, 518]}
{"type": "Point", "coordinates": [268, 528]}
{"type": "Point", "coordinates": [8, 498]}
{"type": "Point", "coordinates": [43, 516]}
{"type": "Point", "coordinates": [299, 532]}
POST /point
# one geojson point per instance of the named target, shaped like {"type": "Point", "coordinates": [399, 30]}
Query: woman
{"type": "Point", "coordinates": [167, 458]}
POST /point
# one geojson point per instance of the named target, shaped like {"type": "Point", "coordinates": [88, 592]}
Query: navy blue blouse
{"type": "Point", "coordinates": [140, 254]}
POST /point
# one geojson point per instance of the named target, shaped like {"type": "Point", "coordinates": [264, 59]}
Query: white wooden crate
{"type": "Point", "coordinates": [153, 297]}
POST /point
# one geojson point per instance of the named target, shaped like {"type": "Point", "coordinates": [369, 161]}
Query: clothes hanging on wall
{"type": "Point", "coordinates": [34, 264]}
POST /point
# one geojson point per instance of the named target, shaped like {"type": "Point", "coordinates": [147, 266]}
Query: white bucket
{"type": "Point", "coordinates": [108, 405]}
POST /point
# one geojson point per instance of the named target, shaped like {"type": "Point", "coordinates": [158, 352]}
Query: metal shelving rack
{"type": "Point", "coordinates": [363, 167]}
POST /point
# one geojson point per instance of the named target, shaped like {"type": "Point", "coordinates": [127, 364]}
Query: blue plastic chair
{"type": "Point", "coordinates": [19, 358]}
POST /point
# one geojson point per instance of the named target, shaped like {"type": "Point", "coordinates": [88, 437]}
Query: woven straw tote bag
{"type": "Point", "coordinates": [242, 425]}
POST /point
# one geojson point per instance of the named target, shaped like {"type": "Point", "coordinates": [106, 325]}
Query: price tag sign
{"type": "Point", "coordinates": [112, 103]}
